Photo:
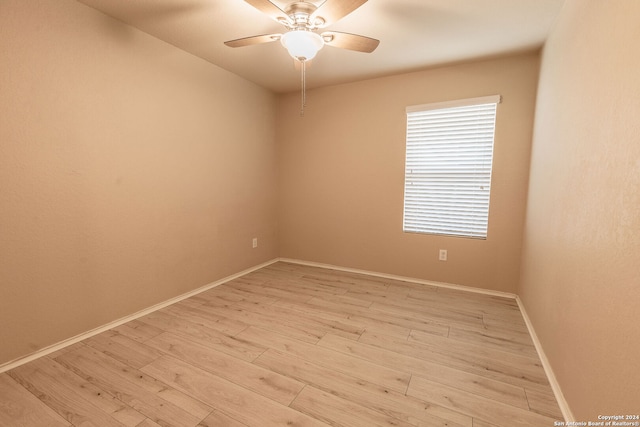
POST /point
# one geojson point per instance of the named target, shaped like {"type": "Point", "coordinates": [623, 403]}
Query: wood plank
{"type": "Point", "coordinates": [218, 419]}
{"type": "Point", "coordinates": [39, 377]}
{"type": "Point", "coordinates": [228, 289]}
{"type": "Point", "coordinates": [233, 400]}
{"type": "Point", "coordinates": [365, 393]}
{"type": "Point", "coordinates": [376, 320]}
{"type": "Point", "coordinates": [270, 384]}
{"type": "Point", "coordinates": [346, 280]}
{"type": "Point", "coordinates": [472, 305]}
{"type": "Point", "coordinates": [377, 374]}
{"type": "Point", "coordinates": [341, 412]}
{"type": "Point", "coordinates": [217, 340]}
{"type": "Point", "coordinates": [544, 402]}
{"type": "Point", "coordinates": [377, 294]}
{"type": "Point", "coordinates": [18, 407]}
{"type": "Point", "coordinates": [480, 423]}
{"type": "Point", "coordinates": [211, 297]}
{"type": "Point", "coordinates": [504, 323]}
{"type": "Point", "coordinates": [307, 287]}
{"type": "Point", "coordinates": [145, 394]}
{"type": "Point", "coordinates": [520, 370]}
{"type": "Point", "coordinates": [518, 343]}
{"type": "Point", "coordinates": [66, 349]}
{"type": "Point", "coordinates": [356, 316]}
{"type": "Point", "coordinates": [449, 315]}
{"type": "Point", "coordinates": [475, 300]}
{"type": "Point", "coordinates": [207, 316]}
{"type": "Point", "coordinates": [51, 378]}
{"type": "Point", "coordinates": [148, 423]}
{"type": "Point", "coordinates": [266, 290]}
{"type": "Point", "coordinates": [315, 325]}
{"type": "Point", "coordinates": [137, 330]}
{"type": "Point", "coordinates": [256, 316]}
{"type": "Point", "coordinates": [477, 406]}
{"type": "Point", "coordinates": [122, 348]}
{"type": "Point", "coordinates": [472, 383]}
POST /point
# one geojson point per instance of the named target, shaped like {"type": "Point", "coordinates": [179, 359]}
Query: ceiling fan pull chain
{"type": "Point", "coordinates": [304, 86]}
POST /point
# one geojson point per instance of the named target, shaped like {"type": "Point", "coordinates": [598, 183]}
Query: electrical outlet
{"type": "Point", "coordinates": [255, 242]}
{"type": "Point", "coordinates": [443, 255]}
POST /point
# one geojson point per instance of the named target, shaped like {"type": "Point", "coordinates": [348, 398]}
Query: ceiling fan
{"type": "Point", "coordinates": [302, 19]}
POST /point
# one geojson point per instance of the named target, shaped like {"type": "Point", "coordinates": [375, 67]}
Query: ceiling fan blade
{"type": "Point", "coordinates": [265, 6]}
{"type": "Point", "coordinates": [248, 41]}
{"type": "Point", "coordinates": [332, 10]}
{"type": "Point", "coordinates": [350, 41]}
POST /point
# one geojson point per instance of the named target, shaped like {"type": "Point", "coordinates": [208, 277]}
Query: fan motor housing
{"type": "Point", "coordinates": [300, 13]}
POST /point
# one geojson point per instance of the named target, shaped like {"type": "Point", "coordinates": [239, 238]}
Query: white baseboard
{"type": "Point", "coordinates": [88, 334]}
{"type": "Point", "coordinates": [403, 278]}
{"type": "Point", "coordinates": [555, 386]}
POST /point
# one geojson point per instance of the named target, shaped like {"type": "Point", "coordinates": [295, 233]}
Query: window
{"type": "Point", "coordinates": [448, 167]}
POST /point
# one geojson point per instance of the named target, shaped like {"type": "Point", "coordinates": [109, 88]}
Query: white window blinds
{"type": "Point", "coordinates": [448, 167]}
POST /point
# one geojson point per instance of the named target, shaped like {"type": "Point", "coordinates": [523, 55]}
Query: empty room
{"type": "Point", "coordinates": [356, 213]}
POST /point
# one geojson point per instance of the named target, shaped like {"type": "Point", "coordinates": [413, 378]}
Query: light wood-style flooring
{"type": "Point", "coordinates": [292, 345]}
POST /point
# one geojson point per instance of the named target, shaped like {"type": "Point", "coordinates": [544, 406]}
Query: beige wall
{"type": "Point", "coordinates": [130, 172]}
{"type": "Point", "coordinates": [581, 263]}
{"type": "Point", "coordinates": [342, 174]}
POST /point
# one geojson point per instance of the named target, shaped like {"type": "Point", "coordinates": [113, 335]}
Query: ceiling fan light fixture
{"type": "Point", "coordinates": [302, 45]}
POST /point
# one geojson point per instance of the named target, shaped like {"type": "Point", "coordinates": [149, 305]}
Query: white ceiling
{"type": "Point", "coordinates": [413, 34]}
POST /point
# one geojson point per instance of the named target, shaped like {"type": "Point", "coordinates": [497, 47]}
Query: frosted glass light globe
{"type": "Point", "coordinates": [302, 44]}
